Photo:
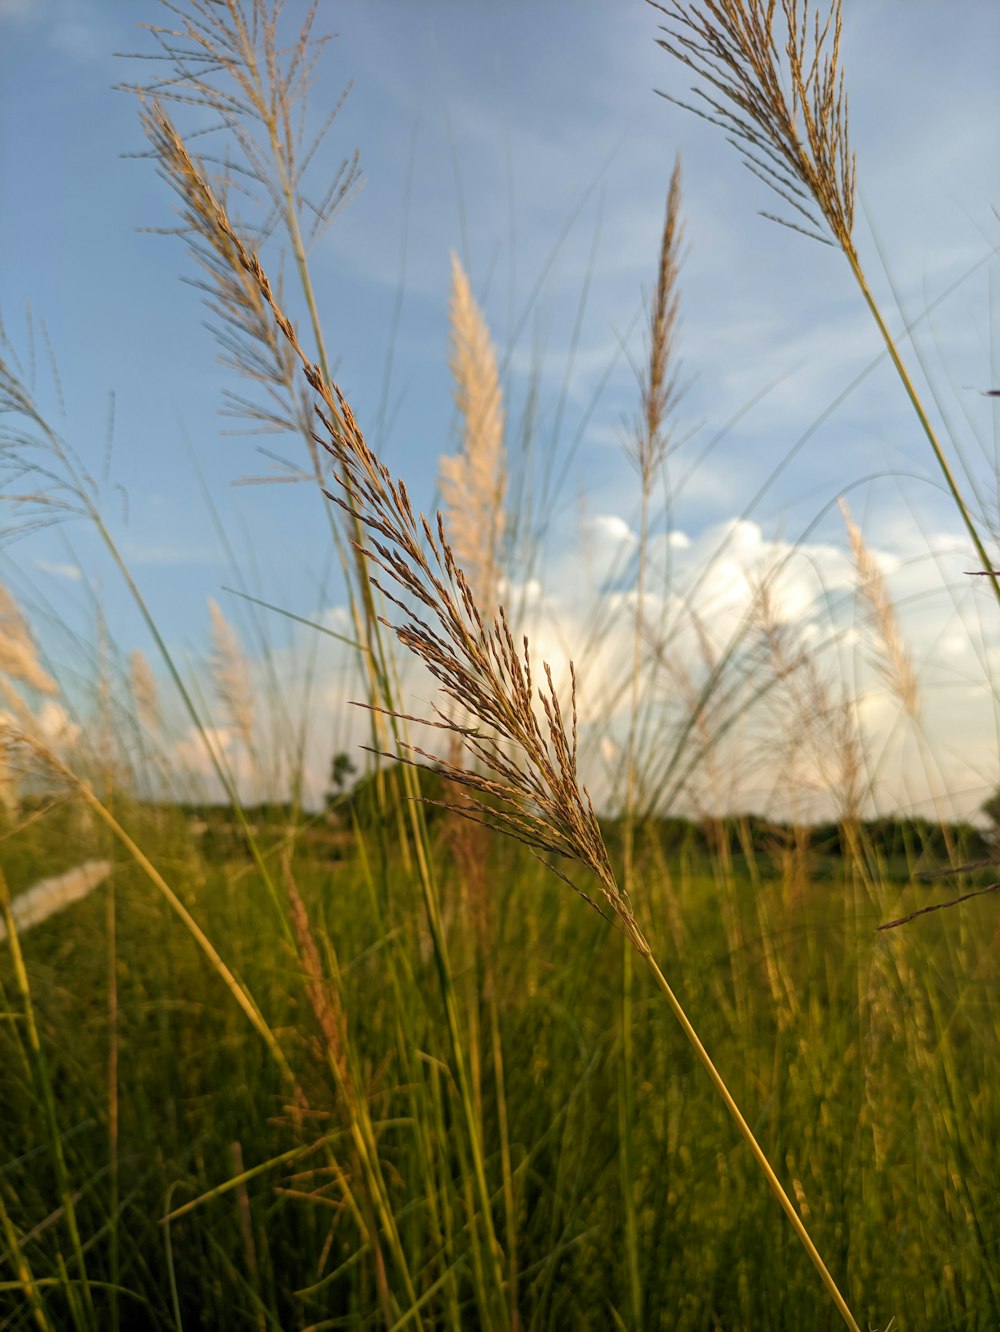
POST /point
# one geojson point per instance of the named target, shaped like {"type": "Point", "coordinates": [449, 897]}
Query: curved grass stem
{"type": "Point", "coordinates": [748, 1134]}
{"type": "Point", "coordinates": [922, 417]}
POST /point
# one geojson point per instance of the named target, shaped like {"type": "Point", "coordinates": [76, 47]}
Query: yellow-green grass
{"type": "Point", "coordinates": [866, 1063]}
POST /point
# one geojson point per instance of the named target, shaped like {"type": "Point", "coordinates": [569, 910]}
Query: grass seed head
{"type": "Point", "coordinates": [520, 735]}
{"type": "Point", "coordinates": [776, 88]}
{"type": "Point", "coordinates": [473, 481]}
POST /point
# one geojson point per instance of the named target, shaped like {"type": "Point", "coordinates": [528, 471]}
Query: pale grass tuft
{"type": "Point", "coordinates": [19, 664]}
{"type": "Point", "coordinates": [232, 676]}
{"type": "Point", "coordinates": [145, 694]}
{"type": "Point", "coordinates": [473, 481]}
{"type": "Point", "coordinates": [18, 654]}
{"type": "Point", "coordinates": [892, 657]}
{"type": "Point", "coordinates": [818, 723]}
{"type": "Point", "coordinates": [49, 896]}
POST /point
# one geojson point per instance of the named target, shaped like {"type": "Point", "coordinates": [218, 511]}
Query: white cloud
{"type": "Point", "coordinates": [71, 571]}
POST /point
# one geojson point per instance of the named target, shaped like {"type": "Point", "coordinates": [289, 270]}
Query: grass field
{"type": "Point", "coordinates": [381, 1065]}
{"type": "Point", "coordinates": [866, 1062]}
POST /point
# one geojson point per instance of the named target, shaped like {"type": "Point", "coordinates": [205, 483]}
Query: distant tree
{"type": "Point", "coordinates": [991, 808]}
{"type": "Point", "coordinates": [342, 768]}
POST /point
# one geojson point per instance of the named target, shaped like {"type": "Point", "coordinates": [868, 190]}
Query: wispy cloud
{"type": "Point", "coordinates": [71, 571]}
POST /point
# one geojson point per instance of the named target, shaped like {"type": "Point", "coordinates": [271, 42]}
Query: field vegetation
{"type": "Point", "coordinates": [460, 1049]}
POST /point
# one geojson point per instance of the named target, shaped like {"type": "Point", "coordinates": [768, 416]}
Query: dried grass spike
{"type": "Point", "coordinates": [232, 675]}
{"type": "Point", "coordinates": [145, 694]}
{"type": "Point", "coordinates": [892, 657]}
{"type": "Point", "coordinates": [473, 482]}
{"type": "Point", "coordinates": [18, 654]}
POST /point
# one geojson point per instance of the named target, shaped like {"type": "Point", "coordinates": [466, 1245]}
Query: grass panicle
{"type": "Point", "coordinates": [891, 655]}
{"type": "Point", "coordinates": [145, 692]}
{"type": "Point", "coordinates": [473, 481]}
{"type": "Point", "coordinates": [787, 118]}
{"type": "Point", "coordinates": [773, 82]}
{"type": "Point", "coordinates": [231, 671]}
{"type": "Point", "coordinates": [19, 659]}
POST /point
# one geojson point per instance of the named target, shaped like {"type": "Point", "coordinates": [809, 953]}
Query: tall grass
{"type": "Point", "coordinates": [372, 1080]}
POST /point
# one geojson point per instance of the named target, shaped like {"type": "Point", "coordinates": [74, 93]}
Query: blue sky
{"type": "Point", "coordinates": [528, 138]}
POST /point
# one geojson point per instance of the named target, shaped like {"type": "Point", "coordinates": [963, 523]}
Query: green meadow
{"type": "Point", "coordinates": [866, 1061]}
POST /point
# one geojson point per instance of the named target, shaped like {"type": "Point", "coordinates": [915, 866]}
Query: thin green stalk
{"type": "Point", "coordinates": [236, 987]}
{"type": "Point", "coordinates": [28, 1286]}
{"type": "Point", "coordinates": [379, 663]}
{"type": "Point", "coordinates": [747, 1132]}
{"type": "Point", "coordinates": [510, 1209]}
{"type": "Point", "coordinates": [626, 1120]}
{"type": "Point", "coordinates": [46, 1093]}
{"type": "Point", "coordinates": [472, 1127]}
{"type": "Point", "coordinates": [923, 418]}
{"type": "Point", "coordinates": [113, 1096]}
{"type": "Point", "coordinates": [626, 1081]}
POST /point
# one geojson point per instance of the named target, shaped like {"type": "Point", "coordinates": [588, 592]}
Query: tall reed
{"type": "Point", "coordinates": [535, 796]}
{"type": "Point", "coordinates": [770, 77]}
{"type": "Point", "coordinates": [646, 448]}
{"type": "Point", "coordinates": [232, 60]}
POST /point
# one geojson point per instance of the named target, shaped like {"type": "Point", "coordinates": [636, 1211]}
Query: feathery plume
{"type": "Point", "coordinates": [536, 798]}
{"type": "Point", "coordinates": [892, 657]}
{"type": "Point", "coordinates": [789, 125]}
{"type": "Point", "coordinates": [232, 675]}
{"type": "Point", "coordinates": [473, 481]}
{"type": "Point", "coordinates": [18, 654]}
{"type": "Point", "coordinates": [145, 694]}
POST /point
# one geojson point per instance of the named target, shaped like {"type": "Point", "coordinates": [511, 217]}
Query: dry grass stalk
{"type": "Point", "coordinates": [790, 125]}
{"type": "Point", "coordinates": [232, 676]}
{"type": "Point", "coordinates": [473, 481]}
{"type": "Point", "coordinates": [145, 694]}
{"type": "Point", "coordinates": [660, 385]}
{"type": "Point", "coordinates": [892, 657]}
{"type": "Point", "coordinates": [229, 59]}
{"type": "Point", "coordinates": [776, 89]}
{"type": "Point", "coordinates": [473, 484]}
{"type": "Point", "coordinates": [535, 796]}
{"type": "Point", "coordinates": [244, 329]}
{"type": "Point", "coordinates": [19, 665]}
{"type": "Point", "coordinates": [324, 998]}
{"type": "Point", "coordinates": [647, 448]}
